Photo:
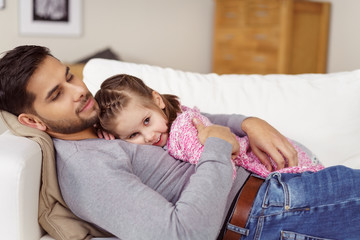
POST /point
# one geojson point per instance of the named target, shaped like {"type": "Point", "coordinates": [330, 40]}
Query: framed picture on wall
{"type": "Point", "coordinates": [50, 17]}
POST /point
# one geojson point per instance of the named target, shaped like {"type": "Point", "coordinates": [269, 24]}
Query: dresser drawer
{"type": "Point", "coordinates": [231, 13]}
{"type": "Point", "coordinates": [234, 69]}
{"type": "Point", "coordinates": [246, 62]}
{"type": "Point", "coordinates": [263, 39]}
{"type": "Point", "coordinates": [262, 13]}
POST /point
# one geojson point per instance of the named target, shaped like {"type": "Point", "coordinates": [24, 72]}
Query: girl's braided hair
{"type": "Point", "coordinates": [116, 92]}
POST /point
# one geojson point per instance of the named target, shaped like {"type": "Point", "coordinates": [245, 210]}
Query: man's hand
{"type": "Point", "coordinates": [219, 132]}
{"type": "Point", "coordinates": [266, 141]}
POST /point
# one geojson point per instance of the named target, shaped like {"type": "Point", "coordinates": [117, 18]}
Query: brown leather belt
{"type": "Point", "coordinates": [242, 208]}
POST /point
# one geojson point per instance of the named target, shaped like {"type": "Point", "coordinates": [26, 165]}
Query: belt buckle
{"type": "Point", "coordinates": [235, 227]}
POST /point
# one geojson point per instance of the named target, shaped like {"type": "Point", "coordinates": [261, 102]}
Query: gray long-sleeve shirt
{"type": "Point", "coordinates": [140, 192]}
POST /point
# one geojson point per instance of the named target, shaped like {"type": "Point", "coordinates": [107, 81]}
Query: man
{"type": "Point", "coordinates": [140, 192]}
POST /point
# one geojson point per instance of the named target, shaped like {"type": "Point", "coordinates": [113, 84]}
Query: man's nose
{"type": "Point", "coordinates": [78, 93]}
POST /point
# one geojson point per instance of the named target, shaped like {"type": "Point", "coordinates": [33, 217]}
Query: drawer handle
{"type": "Point", "coordinates": [230, 15]}
{"type": "Point", "coordinates": [259, 58]}
{"type": "Point", "coordinates": [229, 36]}
{"type": "Point", "coordinates": [228, 57]}
{"type": "Point", "coordinates": [262, 13]}
{"type": "Point", "coordinates": [260, 36]}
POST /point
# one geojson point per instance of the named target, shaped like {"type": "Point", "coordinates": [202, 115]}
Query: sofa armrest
{"type": "Point", "coordinates": [20, 170]}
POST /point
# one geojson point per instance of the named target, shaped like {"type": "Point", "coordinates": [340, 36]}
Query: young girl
{"type": "Point", "coordinates": [132, 111]}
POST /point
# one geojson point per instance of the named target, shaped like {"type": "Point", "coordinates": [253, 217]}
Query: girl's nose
{"type": "Point", "coordinates": [149, 137]}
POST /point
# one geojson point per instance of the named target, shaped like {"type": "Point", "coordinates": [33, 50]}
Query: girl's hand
{"type": "Point", "coordinates": [101, 133]}
{"type": "Point", "coordinates": [266, 141]}
{"type": "Point", "coordinates": [219, 132]}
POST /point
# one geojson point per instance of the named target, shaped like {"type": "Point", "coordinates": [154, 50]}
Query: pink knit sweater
{"type": "Point", "coordinates": [183, 144]}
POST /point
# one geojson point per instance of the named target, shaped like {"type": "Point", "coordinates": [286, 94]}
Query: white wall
{"type": "Point", "coordinates": [174, 33]}
{"type": "Point", "coordinates": [169, 33]}
{"type": "Point", "coordinates": [344, 40]}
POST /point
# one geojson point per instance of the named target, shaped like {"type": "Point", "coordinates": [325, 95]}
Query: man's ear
{"type": "Point", "coordinates": [158, 99]}
{"type": "Point", "coordinates": [31, 121]}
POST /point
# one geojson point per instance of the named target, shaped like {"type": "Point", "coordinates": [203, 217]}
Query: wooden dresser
{"type": "Point", "coordinates": [270, 36]}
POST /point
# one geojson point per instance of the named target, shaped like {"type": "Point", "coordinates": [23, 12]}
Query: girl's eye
{"type": "Point", "coordinates": [133, 135]}
{"type": "Point", "coordinates": [147, 121]}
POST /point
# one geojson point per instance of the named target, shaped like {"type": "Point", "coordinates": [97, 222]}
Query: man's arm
{"type": "Point", "coordinates": [264, 139]}
{"type": "Point", "coordinates": [232, 121]}
{"type": "Point", "coordinates": [111, 188]}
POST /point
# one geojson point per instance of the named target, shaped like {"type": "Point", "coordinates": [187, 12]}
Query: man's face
{"type": "Point", "coordinates": [63, 102]}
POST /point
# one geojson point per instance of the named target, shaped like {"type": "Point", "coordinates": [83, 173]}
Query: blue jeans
{"type": "Point", "coordinates": [307, 206]}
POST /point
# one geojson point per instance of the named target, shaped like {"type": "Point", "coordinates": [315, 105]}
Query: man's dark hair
{"type": "Point", "coordinates": [16, 68]}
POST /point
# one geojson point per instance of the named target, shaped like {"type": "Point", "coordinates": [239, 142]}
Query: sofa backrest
{"type": "Point", "coordinates": [322, 111]}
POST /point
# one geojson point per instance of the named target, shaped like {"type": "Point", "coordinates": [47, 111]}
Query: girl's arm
{"type": "Point", "coordinates": [264, 139]}
{"type": "Point", "coordinates": [183, 143]}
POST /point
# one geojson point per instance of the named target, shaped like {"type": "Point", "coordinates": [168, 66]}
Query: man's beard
{"type": "Point", "coordinates": [68, 126]}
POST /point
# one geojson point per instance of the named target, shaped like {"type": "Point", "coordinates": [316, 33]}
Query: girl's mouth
{"type": "Point", "coordinates": [157, 141]}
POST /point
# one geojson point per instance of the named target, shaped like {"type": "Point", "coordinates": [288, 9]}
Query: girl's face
{"type": "Point", "coordinates": [142, 125]}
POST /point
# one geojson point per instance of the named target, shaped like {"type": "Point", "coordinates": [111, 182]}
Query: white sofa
{"type": "Point", "coordinates": [322, 111]}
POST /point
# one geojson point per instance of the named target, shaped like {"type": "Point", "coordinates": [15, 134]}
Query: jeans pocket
{"type": "Point", "coordinates": [286, 235]}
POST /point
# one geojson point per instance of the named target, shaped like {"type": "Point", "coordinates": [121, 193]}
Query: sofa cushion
{"type": "Point", "coordinates": [322, 111]}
